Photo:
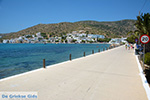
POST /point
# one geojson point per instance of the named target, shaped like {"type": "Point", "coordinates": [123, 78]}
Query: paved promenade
{"type": "Point", "coordinates": [109, 75]}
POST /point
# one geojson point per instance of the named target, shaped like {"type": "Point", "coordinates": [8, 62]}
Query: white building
{"type": "Point", "coordinates": [82, 35]}
{"type": "Point", "coordinates": [12, 41]}
{"type": "Point", "coordinates": [115, 41]}
{"type": "Point", "coordinates": [81, 31]}
{"type": "Point", "coordinates": [52, 39]}
{"type": "Point", "coordinates": [74, 32]}
{"type": "Point", "coordinates": [33, 36]}
{"type": "Point", "coordinates": [38, 34]}
{"type": "Point", "coordinates": [124, 40]}
{"type": "Point", "coordinates": [5, 41]}
{"type": "Point", "coordinates": [20, 38]}
{"type": "Point", "coordinates": [96, 36]}
{"type": "Point", "coordinates": [69, 39]}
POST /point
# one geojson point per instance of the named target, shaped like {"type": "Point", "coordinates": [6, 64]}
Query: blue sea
{"type": "Point", "coordinates": [20, 58]}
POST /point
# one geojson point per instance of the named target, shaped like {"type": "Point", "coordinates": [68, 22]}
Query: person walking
{"type": "Point", "coordinates": [126, 46]}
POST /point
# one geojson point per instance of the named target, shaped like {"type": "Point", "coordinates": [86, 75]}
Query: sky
{"type": "Point", "coordinates": [16, 15]}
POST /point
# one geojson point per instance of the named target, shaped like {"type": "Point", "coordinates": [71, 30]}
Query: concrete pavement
{"type": "Point", "coordinates": [109, 75]}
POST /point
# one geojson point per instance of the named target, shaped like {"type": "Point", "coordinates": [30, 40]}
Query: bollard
{"type": "Point", "coordinates": [103, 49]}
{"type": "Point", "coordinates": [84, 54]}
{"type": "Point", "coordinates": [70, 57]}
{"type": "Point", "coordinates": [98, 50]}
{"type": "Point", "coordinates": [92, 51]}
{"type": "Point", "coordinates": [43, 63]}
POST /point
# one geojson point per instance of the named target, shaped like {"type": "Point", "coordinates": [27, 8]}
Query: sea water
{"type": "Point", "coordinates": [19, 58]}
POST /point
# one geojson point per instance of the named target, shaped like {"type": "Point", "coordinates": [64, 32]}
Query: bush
{"type": "Point", "coordinates": [147, 58]}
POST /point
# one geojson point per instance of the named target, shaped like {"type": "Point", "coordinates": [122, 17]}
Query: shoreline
{"type": "Point", "coordinates": [49, 66]}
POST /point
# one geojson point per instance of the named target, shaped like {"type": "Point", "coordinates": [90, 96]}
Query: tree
{"type": "Point", "coordinates": [83, 41]}
{"type": "Point", "coordinates": [44, 35]}
{"type": "Point", "coordinates": [131, 39]}
{"type": "Point", "coordinates": [100, 40]}
{"type": "Point", "coordinates": [143, 27]}
{"type": "Point", "coordinates": [143, 24]}
{"type": "Point", "coordinates": [103, 40]}
{"type": "Point", "coordinates": [29, 36]}
{"type": "Point", "coordinates": [146, 23]}
{"type": "Point", "coordinates": [87, 32]}
{"type": "Point", "coordinates": [74, 40]}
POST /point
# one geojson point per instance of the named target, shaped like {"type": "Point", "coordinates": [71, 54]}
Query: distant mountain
{"type": "Point", "coordinates": [109, 29]}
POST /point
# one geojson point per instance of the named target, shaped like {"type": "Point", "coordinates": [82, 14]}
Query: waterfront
{"type": "Point", "coordinates": [113, 72]}
{"type": "Point", "coordinates": [19, 58]}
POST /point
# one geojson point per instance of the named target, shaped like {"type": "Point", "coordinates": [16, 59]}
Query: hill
{"type": "Point", "coordinates": [109, 29]}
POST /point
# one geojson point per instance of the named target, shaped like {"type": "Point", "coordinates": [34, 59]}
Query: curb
{"type": "Point", "coordinates": [144, 81]}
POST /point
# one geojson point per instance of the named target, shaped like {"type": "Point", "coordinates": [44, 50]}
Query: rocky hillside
{"type": "Point", "coordinates": [109, 29]}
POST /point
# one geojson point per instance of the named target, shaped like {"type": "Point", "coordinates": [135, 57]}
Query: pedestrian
{"type": "Point", "coordinates": [126, 46]}
{"type": "Point", "coordinates": [131, 46]}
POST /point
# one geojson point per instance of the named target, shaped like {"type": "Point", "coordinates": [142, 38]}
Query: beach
{"type": "Point", "coordinates": [108, 75]}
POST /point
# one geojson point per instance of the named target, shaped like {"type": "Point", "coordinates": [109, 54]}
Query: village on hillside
{"type": "Point", "coordinates": [74, 37]}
